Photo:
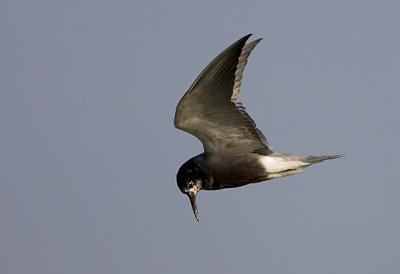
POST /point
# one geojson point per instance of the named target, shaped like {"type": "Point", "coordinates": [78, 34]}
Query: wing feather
{"type": "Point", "coordinates": [211, 110]}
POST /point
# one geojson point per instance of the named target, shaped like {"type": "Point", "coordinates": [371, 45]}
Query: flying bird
{"type": "Point", "coordinates": [236, 152]}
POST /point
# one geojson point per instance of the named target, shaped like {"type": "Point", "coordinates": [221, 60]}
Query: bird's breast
{"type": "Point", "coordinates": [230, 171]}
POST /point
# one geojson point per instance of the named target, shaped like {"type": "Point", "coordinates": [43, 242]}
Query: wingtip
{"type": "Point", "coordinates": [246, 37]}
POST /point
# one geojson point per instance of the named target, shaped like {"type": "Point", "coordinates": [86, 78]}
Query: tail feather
{"type": "Point", "coordinates": [321, 158]}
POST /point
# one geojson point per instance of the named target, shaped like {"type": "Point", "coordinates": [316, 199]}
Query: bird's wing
{"type": "Point", "coordinates": [211, 111]}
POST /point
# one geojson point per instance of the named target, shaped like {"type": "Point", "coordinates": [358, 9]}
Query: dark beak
{"type": "Point", "coordinates": [192, 198]}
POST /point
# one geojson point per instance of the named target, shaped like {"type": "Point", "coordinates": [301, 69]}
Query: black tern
{"type": "Point", "coordinates": [236, 152]}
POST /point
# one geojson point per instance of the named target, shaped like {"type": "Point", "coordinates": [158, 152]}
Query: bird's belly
{"type": "Point", "coordinates": [251, 168]}
{"type": "Point", "coordinates": [229, 172]}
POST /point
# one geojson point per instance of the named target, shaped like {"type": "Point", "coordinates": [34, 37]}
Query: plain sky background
{"type": "Point", "coordinates": [89, 154]}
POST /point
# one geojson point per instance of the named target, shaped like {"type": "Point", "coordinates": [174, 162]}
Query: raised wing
{"type": "Point", "coordinates": [211, 111]}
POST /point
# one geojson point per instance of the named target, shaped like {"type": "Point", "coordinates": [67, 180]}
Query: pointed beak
{"type": "Point", "coordinates": [192, 198]}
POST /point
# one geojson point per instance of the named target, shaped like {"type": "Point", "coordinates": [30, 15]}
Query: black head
{"type": "Point", "coordinates": [190, 181]}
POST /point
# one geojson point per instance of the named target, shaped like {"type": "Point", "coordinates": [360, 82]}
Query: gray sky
{"type": "Point", "coordinates": [88, 151]}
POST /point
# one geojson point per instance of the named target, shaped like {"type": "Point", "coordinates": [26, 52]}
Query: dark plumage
{"type": "Point", "coordinates": [236, 152]}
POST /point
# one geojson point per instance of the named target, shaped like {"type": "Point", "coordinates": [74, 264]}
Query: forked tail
{"type": "Point", "coordinates": [321, 158]}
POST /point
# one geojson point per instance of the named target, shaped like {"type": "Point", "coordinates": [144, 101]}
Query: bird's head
{"type": "Point", "coordinates": [190, 180]}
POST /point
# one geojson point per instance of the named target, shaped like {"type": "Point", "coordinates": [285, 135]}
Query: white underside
{"type": "Point", "coordinates": [274, 164]}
